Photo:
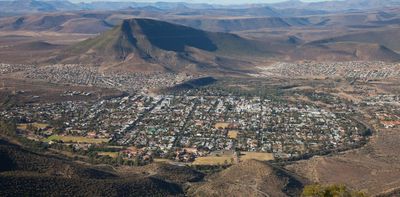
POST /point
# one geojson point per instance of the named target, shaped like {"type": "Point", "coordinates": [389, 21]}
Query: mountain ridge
{"type": "Point", "coordinates": [140, 43]}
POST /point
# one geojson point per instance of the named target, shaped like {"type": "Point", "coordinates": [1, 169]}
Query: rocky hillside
{"type": "Point", "coordinates": [150, 45]}
{"type": "Point", "coordinates": [250, 178]}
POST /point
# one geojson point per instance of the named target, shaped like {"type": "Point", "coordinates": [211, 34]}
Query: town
{"type": "Point", "coordinates": [184, 128]}
{"type": "Point", "coordinates": [213, 125]}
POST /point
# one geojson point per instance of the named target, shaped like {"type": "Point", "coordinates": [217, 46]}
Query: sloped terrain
{"type": "Point", "coordinates": [250, 178]}
{"type": "Point", "coordinates": [242, 23]}
{"type": "Point", "coordinates": [15, 158]}
{"type": "Point", "coordinates": [260, 34]}
{"type": "Point", "coordinates": [389, 38]}
{"type": "Point", "coordinates": [64, 22]}
{"type": "Point", "coordinates": [374, 168]}
{"type": "Point", "coordinates": [150, 45]}
{"type": "Point", "coordinates": [29, 173]}
{"type": "Point", "coordinates": [34, 185]}
{"type": "Point", "coordinates": [29, 6]}
{"type": "Point", "coordinates": [344, 51]}
{"type": "Point", "coordinates": [338, 5]}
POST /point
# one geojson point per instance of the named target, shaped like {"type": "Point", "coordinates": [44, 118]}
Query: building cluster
{"type": "Point", "coordinates": [383, 99]}
{"type": "Point", "coordinates": [193, 126]}
{"type": "Point", "coordinates": [11, 68]}
{"type": "Point", "coordinates": [91, 76]}
{"type": "Point", "coordinates": [386, 108]}
{"type": "Point", "coordinates": [353, 70]}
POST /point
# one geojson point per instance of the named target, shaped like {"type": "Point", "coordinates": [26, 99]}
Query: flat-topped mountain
{"type": "Point", "coordinates": [151, 45]}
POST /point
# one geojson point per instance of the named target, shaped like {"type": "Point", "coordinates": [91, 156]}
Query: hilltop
{"type": "Point", "coordinates": [250, 178]}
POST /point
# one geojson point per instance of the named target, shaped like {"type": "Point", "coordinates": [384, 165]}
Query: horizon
{"type": "Point", "coordinates": [216, 2]}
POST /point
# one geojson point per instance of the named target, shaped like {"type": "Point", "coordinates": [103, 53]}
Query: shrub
{"type": "Point", "coordinates": [330, 191]}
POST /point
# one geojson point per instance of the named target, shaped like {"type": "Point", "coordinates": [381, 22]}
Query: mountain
{"type": "Point", "coordinates": [338, 5]}
{"type": "Point", "coordinates": [139, 44]}
{"type": "Point", "coordinates": [254, 11]}
{"type": "Point", "coordinates": [92, 23]}
{"type": "Point", "coordinates": [87, 23]}
{"type": "Point", "coordinates": [151, 45]}
{"type": "Point", "coordinates": [343, 51]}
{"type": "Point", "coordinates": [242, 23]}
{"type": "Point", "coordinates": [388, 37]}
{"type": "Point", "coordinates": [24, 6]}
{"type": "Point", "coordinates": [287, 9]}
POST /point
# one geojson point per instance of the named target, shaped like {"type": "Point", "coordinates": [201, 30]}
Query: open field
{"type": "Point", "coordinates": [213, 160]}
{"type": "Point", "coordinates": [158, 160]}
{"type": "Point", "coordinates": [77, 139]}
{"type": "Point", "coordinates": [110, 154]}
{"type": "Point", "coordinates": [36, 125]}
{"type": "Point", "coordinates": [222, 125]}
{"type": "Point", "coordinates": [256, 156]}
{"type": "Point", "coordinates": [233, 134]}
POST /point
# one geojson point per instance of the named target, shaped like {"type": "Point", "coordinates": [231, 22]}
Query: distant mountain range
{"type": "Point", "coordinates": [288, 8]}
{"type": "Point", "coordinates": [338, 5]}
{"type": "Point", "coordinates": [28, 6]}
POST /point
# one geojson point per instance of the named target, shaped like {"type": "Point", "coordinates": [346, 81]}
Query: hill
{"type": "Point", "coordinates": [250, 178]}
{"type": "Point", "coordinates": [36, 174]}
{"type": "Point", "coordinates": [43, 174]}
{"type": "Point", "coordinates": [388, 37]}
{"type": "Point", "coordinates": [229, 24]}
{"type": "Point", "coordinates": [17, 159]}
{"type": "Point", "coordinates": [26, 6]}
{"type": "Point", "coordinates": [139, 45]}
{"type": "Point", "coordinates": [343, 51]}
{"type": "Point", "coordinates": [372, 168]}
{"type": "Point", "coordinates": [338, 5]}
{"type": "Point", "coordinates": [56, 22]}
{"type": "Point", "coordinates": [150, 45]}
{"type": "Point", "coordinates": [192, 43]}
{"type": "Point", "coordinates": [30, 6]}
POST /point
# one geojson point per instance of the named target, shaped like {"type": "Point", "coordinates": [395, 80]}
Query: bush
{"type": "Point", "coordinates": [330, 191]}
{"type": "Point", "coordinates": [8, 128]}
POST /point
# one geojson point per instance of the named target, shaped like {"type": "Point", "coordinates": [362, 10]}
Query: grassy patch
{"type": "Point", "coordinates": [35, 125]}
{"type": "Point", "coordinates": [213, 160]}
{"type": "Point", "coordinates": [110, 154]}
{"type": "Point", "coordinates": [222, 125]}
{"type": "Point", "coordinates": [75, 139]}
{"type": "Point", "coordinates": [256, 156]}
{"type": "Point", "coordinates": [233, 134]}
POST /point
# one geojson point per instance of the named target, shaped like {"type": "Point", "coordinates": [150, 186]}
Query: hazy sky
{"type": "Point", "coordinates": [204, 1]}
